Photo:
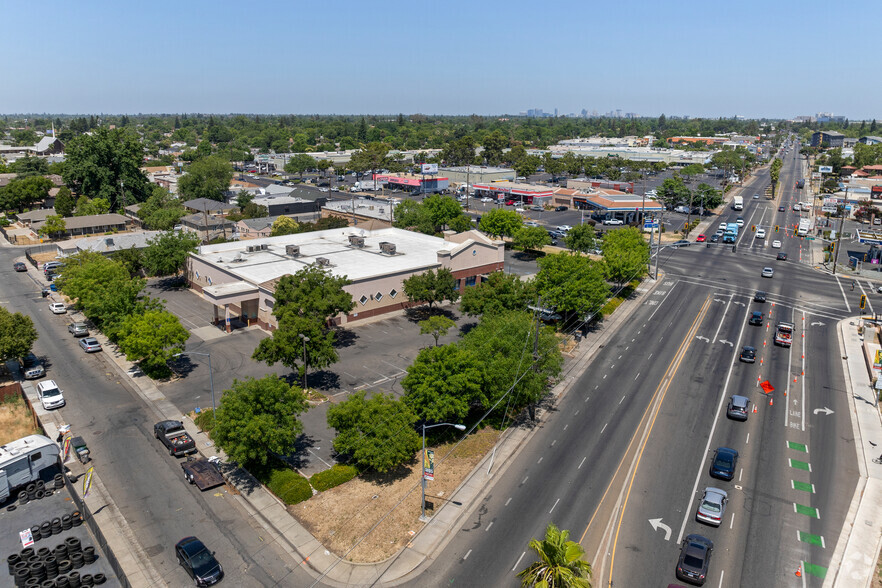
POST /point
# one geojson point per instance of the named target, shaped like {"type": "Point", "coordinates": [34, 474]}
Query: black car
{"type": "Point", "coordinates": [760, 296]}
{"type": "Point", "coordinates": [19, 266]}
{"type": "Point", "coordinates": [748, 354]}
{"type": "Point", "coordinates": [780, 209]}
{"type": "Point", "coordinates": [723, 465]}
{"type": "Point", "coordinates": [200, 563]}
{"type": "Point", "coordinates": [680, 243]}
{"type": "Point", "coordinates": [561, 208]}
{"type": "Point", "coordinates": [695, 554]}
{"type": "Point", "coordinates": [756, 318]}
{"type": "Point", "coordinates": [714, 238]}
{"type": "Point", "coordinates": [782, 256]}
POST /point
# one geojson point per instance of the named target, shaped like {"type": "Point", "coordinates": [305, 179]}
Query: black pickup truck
{"type": "Point", "coordinates": [173, 436]}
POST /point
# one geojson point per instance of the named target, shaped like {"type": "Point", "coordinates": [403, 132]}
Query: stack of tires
{"type": "Point", "coordinates": [54, 568]}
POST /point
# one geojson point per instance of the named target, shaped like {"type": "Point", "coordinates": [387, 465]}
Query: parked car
{"type": "Point", "coordinates": [695, 554]}
{"type": "Point", "coordinates": [78, 329]}
{"type": "Point", "coordinates": [486, 199]}
{"type": "Point", "coordinates": [561, 208]}
{"type": "Point", "coordinates": [50, 394]}
{"type": "Point", "coordinates": [564, 228]}
{"type": "Point", "coordinates": [613, 221]}
{"type": "Point", "coordinates": [198, 561]}
{"type": "Point", "coordinates": [759, 296]}
{"type": "Point", "coordinates": [531, 224]}
{"type": "Point", "coordinates": [57, 307]}
{"type": "Point", "coordinates": [174, 437]}
{"type": "Point", "coordinates": [19, 266]}
{"type": "Point", "coordinates": [90, 344]}
{"type": "Point", "coordinates": [536, 207]}
{"type": "Point", "coordinates": [748, 354]}
{"type": "Point", "coordinates": [32, 367]}
{"type": "Point", "coordinates": [724, 463]}
{"type": "Point", "coordinates": [737, 409]}
{"type": "Point", "coordinates": [712, 507]}
{"type": "Point", "coordinates": [768, 272]}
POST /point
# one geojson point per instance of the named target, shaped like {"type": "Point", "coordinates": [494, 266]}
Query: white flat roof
{"type": "Point", "coordinates": [229, 289]}
{"type": "Point", "coordinates": [414, 251]}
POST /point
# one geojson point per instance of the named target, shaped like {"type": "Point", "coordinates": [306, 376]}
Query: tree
{"type": "Point", "coordinates": [527, 166]}
{"type": "Point", "coordinates": [17, 334]}
{"type": "Point", "coordinates": [708, 196]}
{"type": "Point", "coordinates": [444, 383]}
{"type": "Point", "coordinates": [21, 193]}
{"type": "Point", "coordinates": [441, 209]}
{"type": "Point", "coordinates": [29, 166]}
{"type": "Point", "coordinates": [54, 225]}
{"type": "Point", "coordinates": [167, 253]}
{"type": "Point", "coordinates": [152, 338]}
{"type": "Point", "coordinates": [372, 157]}
{"type": "Point", "coordinates": [436, 326]}
{"type": "Point", "coordinates": [673, 192]}
{"type": "Point", "coordinates": [299, 163]}
{"type": "Point", "coordinates": [560, 562]}
{"type": "Point", "coordinates": [430, 287]}
{"type": "Point", "coordinates": [498, 293]}
{"type": "Point", "coordinates": [257, 419]}
{"type": "Point", "coordinates": [87, 207]}
{"type": "Point", "coordinates": [461, 223]}
{"type": "Point", "coordinates": [284, 225]}
{"type": "Point", "coordinates": [581, 238]}
{"type": "Point", "coordinates": [64, 202]}
{"type": "Point", "coordinates": [377, 433]}
{"type": "Point", "coordinates": [572, 284]}
{"type": "Point", "coordinates": [413, 215]}
{"type": "Point", "coordinates": [243, 198]}
{"type": "Point", "coordinates": [626, 254]}
{"type": "Point", "coordinates": [532, 238]}
{"type": "Point", "coordinates": [131, 258]}
{"type": "Point", "coordinates": [313, 292]}
{"type": "Point", "coordinates": [208, 177]}
{"type": "Point", "coordinates": [106, 165]}
{"type": "Point", "coordinates": [460, 151]}
{"type": "Point", "coordinates": [161, 211]}
{"type": "Point", "coordinates": [499, 222]}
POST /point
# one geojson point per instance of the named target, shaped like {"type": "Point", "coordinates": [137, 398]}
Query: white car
{"type": "Point", "coordinates": [776, 244]}
{"type": "Point", "coordinates": [722, 226]}
{"type": "Point", "coordinates": [768, 272]}
{"type": "Point", "coordinates": [57, 307]}
{"type": "Point", "coordinates": [760, 233]}
{"type": "Point", "coordinates": [613, 221]}
{"type": "Point", "coordinates": [564, 228]}
{"type": "Point", "coordinates": [531, 224]}
{"type": "Point", "coordinates": [519, 209]}
{"type": "Point", "coordinates": [486, 199]}
{"type": "Point", "coordinates": [739, 221]}
{"type": "Point", "coordinates": [50, 395]}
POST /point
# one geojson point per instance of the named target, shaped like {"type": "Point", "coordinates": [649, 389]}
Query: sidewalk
{"type": "Point", "coordinates": [854, 559]}
{"type": "Point", "coordinates": [271, 514]}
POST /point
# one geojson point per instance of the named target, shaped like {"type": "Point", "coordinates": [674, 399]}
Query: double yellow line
{"type": "Point", "coordinates": [651, 411]}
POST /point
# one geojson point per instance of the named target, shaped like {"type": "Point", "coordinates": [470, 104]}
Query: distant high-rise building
{"type": "Point", "coordinates": [584, 113]}
{"type": "Point", "coordinates": [555, 112]}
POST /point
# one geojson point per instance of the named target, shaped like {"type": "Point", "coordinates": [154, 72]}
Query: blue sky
{"type": "Point", "coordinates": [777, 58]}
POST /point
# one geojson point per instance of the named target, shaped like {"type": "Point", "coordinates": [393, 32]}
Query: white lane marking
{"type": "Point", "coordinates": [553, 442]}
{"type": "Point", "coordinates": [748, 439]}
{"type": "Point", "coordinates": [627, 348]}
{"type": "Point", "coordinates": [802, 380]}
{"type": "Point", "coordinates": [723, 319]}
{"type": "Point", "coordinates": [637, 376]}
{"type": "Point", "coordinates": [540, 459]}
{"type": "Point", "coordinates": [587, 398]}
{"type": "Point", "coordinates": [488, 526]}
{"type": "Point", "coordinates": [740, 473]}
{"type": "Point", "coordinates": [732, 522]}
{"type": "Point", "coordinates": [604, 376]}
{"type": "Point", "coordinates": [844, 297]}
{"type": "Point", "coordinates": [507, 501]}
{"type": "Point", "coordinates": [722, 573]}
{"type": "Point", "coordinates": [660, 304]}
{"type": "Point", "coordinates": [581, 463]}
{"type": "Point", "coordinates": [519, 561]}
{"type": "Point", "coordinates": [466, 556]}
{"type": "Point", "coordinates": [650, 356]}
{"type": "Point", "coordinates": [525, 480]}
{"type": "Point", "coordinates": [603, 429]}
{"type": "Point", "coordinates": [622, 400]}
{"type": "Point", "coordinates": [619, 357]}
{"type": "Point", "coordinates": [597, 386]}
{"type": "Point", "coordinates": [789, 368]}
{"type": "Point", "coordinates": [555, 504]}
{"type": "Point", "coordinates": [565, 427]}
{"type": "Point", "coordinates": [576, 413]}
{"type": "Point", "coordinates": [612, 367]}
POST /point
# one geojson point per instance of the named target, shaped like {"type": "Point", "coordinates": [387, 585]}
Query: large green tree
{"type": "Point", "coordinates": [17, 334]}
{"type": "Point", "coordinates": [23, 193]}
{"type": "Point", "coordinates": [161, 211]}
{"type": "Point", "coordinates": [442, 209]}
{"type": "Point", "coordinates": [166, 254]}
{"type": "Point", "coordinates": [499, 222]}
{"type": "Point", "coordinates": [257, 420]}
{"type": "Point", "coordinates": [581, 238]}
{"type": "Point", "coordinates": [625, 254]}
{"type": "Point", "coordinates": [106, 165]}
{"type": "Point", "coordinates": [437, 326]}
{"type": "Point", "coordinates": [444, 383]}
{"type": "Point", "coordinates": [431, 286]}
{"type": "Point", "coordinates": [413, 215]}
{"type": "Point", "coordinates": [300, 163]}
{"type": "Point", "coordinates": [378, 433]}
{"type": "Point", "coordinates": [560, 562]}
{"type": "Point", "coordinates": [64, 202]}
{"type": "Point", "coordinates": [208, 177]}
{"type": "Point", "coordinates": [572, 284]}
{"type": "Point", "coordinates": [499, 292]}
{"type": "Point", "coordinates": [370, 158]}
{"type": "Point", "coordinates": [54, 225]}
{"type": "Point", "coordinates": [532, 238]}
{"type": "Point", "coordinates": [152, 338]}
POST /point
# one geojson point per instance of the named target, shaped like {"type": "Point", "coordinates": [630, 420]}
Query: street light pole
{"type": "Point", "coordinates": [305, 341]}
{"type": "Point", "coordinates": [423, 516]}
{"type": "Point", "coordinates": [210, 378]}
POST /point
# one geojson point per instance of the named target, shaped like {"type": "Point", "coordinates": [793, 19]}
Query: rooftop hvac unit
{"type": "Point", "coordinates": [356, 241]}
{"type": "Point", "coordinates": [324, 261]}
{"type": "Point", "coordinates": [264, 247]}
{"type": "Point", "coordinates": [249, 248]}
{"type": "Point", "coordinates": [387, 247]}
{"type": "Point", "coordinates": [292, 250]}
{"type": "Point", "coordinates": [108, 241]}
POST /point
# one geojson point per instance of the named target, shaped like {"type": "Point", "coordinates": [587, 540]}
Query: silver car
{"type": "Point", "coordinates": [768, 272]}
{"type": "Point", "coordinates": [712, 506]}
{"type": "Point", "coordinates": [90, 344]}
{"type": "Point", "coordinates": [78, 329]}
{"type": "Point", "coordinates": [737, 409]}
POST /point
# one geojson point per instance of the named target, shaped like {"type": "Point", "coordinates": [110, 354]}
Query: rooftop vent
{"type": "Point", "coordinates": [292, 250]}
{"type": "Point", "coordinates": [250, 248]}
{"type": "Point", "coordinates": [356, 241]}
{"type": "Point", "coordinates": [108, 241]}
{"type": "Point", "coordinates": [264, 247]}
{"type": "Point", "coordinates": [323, 261]}
{"type": "Point", "coordinates": [387, 247]}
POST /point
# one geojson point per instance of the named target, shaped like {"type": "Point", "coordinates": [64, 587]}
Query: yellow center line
{"type": "Point", "coordinates": [677, 359]}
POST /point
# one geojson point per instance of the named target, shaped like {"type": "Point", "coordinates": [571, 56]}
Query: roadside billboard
{"type": "Point", "coordinates": [825, 169]}
{"type": "Point", "coordinates": [429, 168]}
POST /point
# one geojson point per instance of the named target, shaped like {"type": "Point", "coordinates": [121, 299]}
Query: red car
{"type": "Point", "coordinates": [509, 202]}
{"type": "Point", "coordinates": [700, 239]}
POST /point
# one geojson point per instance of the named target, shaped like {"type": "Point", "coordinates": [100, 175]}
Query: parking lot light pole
{"type": "Point", "coordinates": [305, 341]}
{"type": "Point", "coordinates": [423, 517]}
{"type": "Point", "coordinates": [210, 378]}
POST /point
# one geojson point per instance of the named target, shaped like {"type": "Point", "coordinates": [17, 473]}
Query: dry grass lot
{"type": "Point", "coordinates": [16, 420]}
{"type": "Point", "coordinates": [341, 516]}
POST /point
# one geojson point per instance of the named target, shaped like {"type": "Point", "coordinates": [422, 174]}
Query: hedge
{"type": "Point", "coordinates": [338, 474]}
{"type": "Point", "coordinates": [282, 481]}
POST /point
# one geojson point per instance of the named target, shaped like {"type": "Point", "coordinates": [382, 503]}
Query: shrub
{"type": "Point", "coordinates": [205, 420]}
{"type": "Point", "coordinates": [285, 483]}
{"type": "Point", "coordinates": [338, 474]}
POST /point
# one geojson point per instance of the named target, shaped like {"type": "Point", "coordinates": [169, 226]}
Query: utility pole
{"type": "Point", "coordinates": [838, 237]}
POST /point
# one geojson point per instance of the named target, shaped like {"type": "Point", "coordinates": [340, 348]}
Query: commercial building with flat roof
{"type": "Point", "coordinates": [239, 278]}
{"type": "Point", "coordinates": [413, 183]}
{"type": "Point", "coordinates": [511, 191]}
{"type": "Point", "coordinates": [478, 174]}
{"type": "Point", "coordinates": [829, 138]}
{"type": "Point", "coordinates": [648, 154]}
{"type": "Point", "coordinates": [607, 204]}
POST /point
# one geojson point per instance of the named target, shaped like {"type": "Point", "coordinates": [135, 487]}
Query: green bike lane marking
{"type": "Point", "coordinates": [803, 486]}
{"type": "Point", "coordinates": [800, 465]}
{"type": "Point", "coordinates": [814, 570]}
{"type": "Point", "coordinates": [810, 538]}
{"type": "Point", "coordinates": [797, 446]}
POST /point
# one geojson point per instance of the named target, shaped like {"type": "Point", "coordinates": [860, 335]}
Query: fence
{"type": "Point", "coordinates": [45, 248]}
{"type": "Point", "coordinates": [96, 532]}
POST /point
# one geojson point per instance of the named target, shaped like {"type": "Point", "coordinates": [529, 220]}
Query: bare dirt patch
{"type": "Point", "coordinates": [16, 420]}
{"type": "Point", "coordinates": [340, 517]}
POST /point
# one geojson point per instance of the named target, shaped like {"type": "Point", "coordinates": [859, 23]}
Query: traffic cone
{"type": "Point", "coordinates": [799, 571]}
{"type": "Point", "coordinates": [770, 401]}
{"type": "Point", "coordinates": [754, 409]}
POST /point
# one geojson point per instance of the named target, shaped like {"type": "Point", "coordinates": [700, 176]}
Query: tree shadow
{"type": "Point", "coordinates": [170, 283]}
{"type": "Point", "coordinates": [323, 380]}
{"type": "Point", "coordinates": [465, 328]}
{"type": "Point", "coordinates": [416, 314]}
{"type": "Point", "coordinates": [528, 255]}
{"type": "Point", "coordinates": [181, 366]}
{"type": "Point", "coordinates": [301, 456]}
{"type": "Point", "coordinates": [344, 337]}
{"type": "Point", "coordinates": [392, 476]}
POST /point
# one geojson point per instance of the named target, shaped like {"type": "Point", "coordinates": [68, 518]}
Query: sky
{"type": "Point", "coordinates": [775, 59]}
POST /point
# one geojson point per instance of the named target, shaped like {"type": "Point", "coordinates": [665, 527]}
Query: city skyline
{"type": "Point", "coordinates": [701, 61]}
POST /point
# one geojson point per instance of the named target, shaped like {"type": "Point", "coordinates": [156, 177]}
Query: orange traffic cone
{"type": "Point", "coordinates": [770, 401]}
{"type": "Point", "coordinates": [799, 571]}
{"type": "Point", "coordinates": [754, 409]}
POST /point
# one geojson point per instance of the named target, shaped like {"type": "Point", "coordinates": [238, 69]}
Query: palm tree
{"type": "Point", "coordinates": [560, 562]}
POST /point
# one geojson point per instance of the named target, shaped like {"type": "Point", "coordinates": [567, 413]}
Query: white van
{"type": "Point", "coordinates": [50, 394]}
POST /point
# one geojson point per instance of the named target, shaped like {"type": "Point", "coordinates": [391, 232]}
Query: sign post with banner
{"type": "Point", "coordinates": [429, 468]}
{"type": "Point", "coordinates": [87, 483]}
{"type": "Point", "coordinates": [67, 440]}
